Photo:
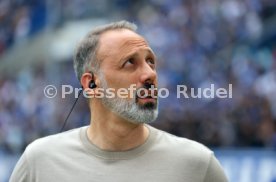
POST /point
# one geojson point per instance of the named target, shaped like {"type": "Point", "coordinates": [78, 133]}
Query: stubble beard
{"type": "Point", "coordinates": [129, 110]}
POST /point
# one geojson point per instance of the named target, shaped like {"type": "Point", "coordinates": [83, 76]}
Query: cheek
{"type": "Point", "coordinates": [121, 79]}
{"type": "Point", "coordinates": [122, 87]}
{"type": "Point", "coordinates": [117, 81]}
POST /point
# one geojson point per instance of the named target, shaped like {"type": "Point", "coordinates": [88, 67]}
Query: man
{"type": "Point", "coordinates": [118, 145]}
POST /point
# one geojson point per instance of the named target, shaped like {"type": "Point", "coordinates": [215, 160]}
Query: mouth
{"type": "Point", "coordinates": [146, 96]}
{"type": "Point", "coordinates": [147, 102]}
{"type": "Point", "coordinates": [147, 99]}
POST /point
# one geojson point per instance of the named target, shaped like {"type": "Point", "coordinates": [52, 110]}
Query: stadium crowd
{"type": "Point", "coordinates": [198, 43]}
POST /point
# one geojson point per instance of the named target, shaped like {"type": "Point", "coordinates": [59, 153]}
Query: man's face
{"type": "Point", "coordinates": [127, 59]}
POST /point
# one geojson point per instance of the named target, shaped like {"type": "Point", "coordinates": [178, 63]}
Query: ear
{"type": "Point", "coordinates": [86, 80]}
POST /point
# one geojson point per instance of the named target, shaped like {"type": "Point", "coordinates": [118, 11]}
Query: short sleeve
{"type": "Point", "coordinates": [214, 171]}
{"type": "Point", "coordinates": [21, 172]}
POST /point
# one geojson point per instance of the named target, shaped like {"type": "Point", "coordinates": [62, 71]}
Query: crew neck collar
{"type": "Point", "coordinates": [118, 155]}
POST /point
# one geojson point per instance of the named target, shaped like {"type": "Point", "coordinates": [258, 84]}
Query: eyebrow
{"type": "Point", "coordinates": [150, 51]}
{"type": "Point", "coordinates": [134, 54]}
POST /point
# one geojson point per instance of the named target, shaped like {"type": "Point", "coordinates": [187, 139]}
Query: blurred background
{"type": "Point", "coordinates": [198, 43]}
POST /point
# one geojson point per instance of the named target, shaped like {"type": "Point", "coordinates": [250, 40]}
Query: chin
{"type": "Point", "coordinates": [146, 115]}
{"type": "Point", "coordinates": [152, 104]}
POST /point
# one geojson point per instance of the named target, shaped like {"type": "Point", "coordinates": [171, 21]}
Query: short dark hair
{"type": "Point", "coordinates": [85, 57]}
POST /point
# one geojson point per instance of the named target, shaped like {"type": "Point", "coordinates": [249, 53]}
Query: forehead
{"type": "Point", "coordinates": [117, 43]}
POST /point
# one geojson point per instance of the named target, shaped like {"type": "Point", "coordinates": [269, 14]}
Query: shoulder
{"type": "Point", "coordinates": [189, 155]}
{"type": "Point", "coordinates": [180, 142]}
{"type": "Point", "coordinates": [42, 154]}
{"type": "Point", "coordinates": [182, 147]}
{"type": "Point", "coordinates": [52, 143]}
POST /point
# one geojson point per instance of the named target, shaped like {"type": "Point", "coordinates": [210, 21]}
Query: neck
{"type": "Point", "coordinates": [110, 132]}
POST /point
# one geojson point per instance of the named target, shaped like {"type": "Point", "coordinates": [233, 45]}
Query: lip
{"type": "Point", "coordinates": [151, 94]}
{"type": "Point", "coordinates": [147, 99]}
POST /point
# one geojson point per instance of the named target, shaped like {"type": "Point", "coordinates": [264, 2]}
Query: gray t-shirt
{"type": "Point", "coordinates": [71, 157]}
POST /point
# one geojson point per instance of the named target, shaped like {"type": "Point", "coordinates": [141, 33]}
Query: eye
{"type": "Point", "coordinates": [130, 61]}
{"type": "Point", "coordinates": [151, 62]}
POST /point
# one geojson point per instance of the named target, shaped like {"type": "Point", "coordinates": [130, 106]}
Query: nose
{"type": "Point", "coordinates": [148, 75]}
